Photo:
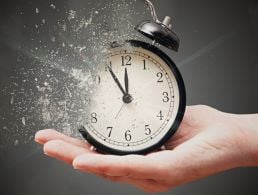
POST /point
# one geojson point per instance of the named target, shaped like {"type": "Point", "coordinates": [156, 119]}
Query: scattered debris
{"type": "Point", "coordinates": [58, 77]}
{"type": "Point", "coordinates": [53, 6]}
{"type": "Point", "coordinates": [23, 121]}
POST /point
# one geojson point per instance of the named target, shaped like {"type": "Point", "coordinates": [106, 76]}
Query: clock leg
{"type": "Point", "coordinates": [83, 132]}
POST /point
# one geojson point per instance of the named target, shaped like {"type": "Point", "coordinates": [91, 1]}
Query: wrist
{"type": "Point", "coordinates": [247, 140]}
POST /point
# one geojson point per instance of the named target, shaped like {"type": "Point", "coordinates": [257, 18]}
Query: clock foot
{"type": "Point", "coordinates": [83, 132]}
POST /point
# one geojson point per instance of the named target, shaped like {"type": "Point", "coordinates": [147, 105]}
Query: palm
{"type": "Point", "coordinates": [201, 147]}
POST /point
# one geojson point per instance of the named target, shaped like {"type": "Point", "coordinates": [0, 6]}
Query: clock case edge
{"type": "Point", "coordinates": [181, 110]}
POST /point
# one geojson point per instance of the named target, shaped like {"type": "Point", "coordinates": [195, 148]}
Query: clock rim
{"type": "Point", "coordinates": [181, 109]}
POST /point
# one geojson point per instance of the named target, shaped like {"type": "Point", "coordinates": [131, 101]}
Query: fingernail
{"type": "Point", "coordinates": [77, 164]}
{"type": "Point", "coordinates": [76, 167]}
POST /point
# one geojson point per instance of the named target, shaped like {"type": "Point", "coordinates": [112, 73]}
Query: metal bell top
{"type": "Point", "coordinates": [159, 32]}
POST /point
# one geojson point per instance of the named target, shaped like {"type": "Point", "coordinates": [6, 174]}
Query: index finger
{"type": "Point", "coordinates": [47, 135]}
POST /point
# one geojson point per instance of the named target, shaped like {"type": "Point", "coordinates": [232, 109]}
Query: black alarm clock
{"type": "Point", "coordinates": [139, 100]}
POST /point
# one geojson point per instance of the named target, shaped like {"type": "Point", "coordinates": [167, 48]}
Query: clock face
{"type": "Point", "coordinates": [138, 101]}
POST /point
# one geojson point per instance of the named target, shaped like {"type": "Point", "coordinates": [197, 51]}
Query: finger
{"type": "Point", "coordinates": [133, 166]}
{"type": "Point", "coordinates": [63, 151]}
{"type": "Point", "coordinates": [44, 136]}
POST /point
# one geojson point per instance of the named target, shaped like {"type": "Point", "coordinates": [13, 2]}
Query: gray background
{"type": "Point", "coordinates": [218, 59]}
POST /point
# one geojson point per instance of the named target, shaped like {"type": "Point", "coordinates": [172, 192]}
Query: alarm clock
{"type": "Point", "coordinates": [139, 98]}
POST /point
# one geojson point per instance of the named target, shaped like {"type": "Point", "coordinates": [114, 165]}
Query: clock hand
{"type": "Point", "coordinates": [126, 82]}
{"type": "Point", "coordinates": [127, 98]}
{"type": "Point", "coordinates": [116, 80]}
{"type": "Point", "coordinates": [119, 111]}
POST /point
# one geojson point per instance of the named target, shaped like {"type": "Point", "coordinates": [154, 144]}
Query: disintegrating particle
{"type": "Point", "coordinates": [81, 48]}
{"type": "Point", "coordinates": [12, 100]}
{"type": "Point", "coordinates": [53, 39]}
{"type": "Point", "coordinates": [71, 15]}
{"type": "Point", "coordinates": [61, 87]}
{"type": "Point", "coordinates": [69, 92]}
{"type": "Point", "coordinates": [31, 137]}
{"type": "Point", "coordinates": [64, 27]}
{"type": "Point", "coordinates": [23, 121]}
{"type": "Point", "coordinates": [16, 142]}
{"type": "Point", "coordinates": [84, 23]}
{"type": "Point", "coordinates": [52, 6]}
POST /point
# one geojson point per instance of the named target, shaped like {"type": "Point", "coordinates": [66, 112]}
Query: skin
{"type": "Point", "coordinates": [207, 142]}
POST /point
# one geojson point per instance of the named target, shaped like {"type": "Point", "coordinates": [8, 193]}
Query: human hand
{"type": "Point", "coordinates": [207, 142]}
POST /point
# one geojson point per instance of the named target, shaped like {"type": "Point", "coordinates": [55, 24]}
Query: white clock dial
{"type": "Point", "coordinates": [150, 110]}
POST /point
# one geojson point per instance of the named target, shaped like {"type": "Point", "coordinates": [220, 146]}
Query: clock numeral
{"type": "Point", "coordinates": [108, 65]}
{"type": "Point", "coordinates": [110, 129]}
{"type": "Point", "coordinates": [94, 118]}
{"type": "Point", "coordinates": [144, 65]}
{"type": "Point", "coordinates": [147, 130]}
{"type": "Point", "coordinates": [166, 98]}
{"type": "Point", "coordinates": [160, 115]}
{"type": "Point", "coordinates": [128, 136]}
{"type": "Point", "coordinates": [160, 77]}
{"type": "Point", "coordinates": [126, 60]}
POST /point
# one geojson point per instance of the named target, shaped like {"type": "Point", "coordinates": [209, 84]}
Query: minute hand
{"type": "Point", "coordinates": [116, 80]}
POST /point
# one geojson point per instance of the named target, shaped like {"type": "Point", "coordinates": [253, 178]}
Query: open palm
{"type": "Point", "coordinates": [207, 142]}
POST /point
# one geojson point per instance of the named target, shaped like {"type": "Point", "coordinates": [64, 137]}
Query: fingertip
{"type": "Point", "coordinates": [85, 161]}
{"type": "Point", "coordinates": [38, 137]}
{"type": "Point", "coordinates": [76, 164]}
{"type": "Point", "coordinates": [51, 147]}
{"type": "Point", "coordinates": [80, 162]}
{"type": "Point", "coordinates": [41, 136]}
